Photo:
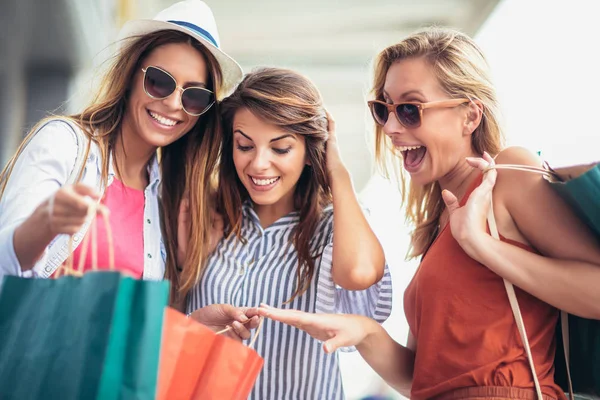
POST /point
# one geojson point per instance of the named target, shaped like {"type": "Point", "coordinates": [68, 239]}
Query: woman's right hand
{"type": "Point", "coordinates": [68, 209]}
{"type": "Point", "coordinates": [335, 330]}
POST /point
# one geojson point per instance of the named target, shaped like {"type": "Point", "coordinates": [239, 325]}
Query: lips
{"type": "Point", "coordinates": [264, 181]}
{"type": "Point", "coordinates": [168, 122]}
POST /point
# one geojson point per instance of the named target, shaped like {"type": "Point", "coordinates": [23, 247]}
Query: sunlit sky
{"type": "Point", "coordinates": [543, 55]}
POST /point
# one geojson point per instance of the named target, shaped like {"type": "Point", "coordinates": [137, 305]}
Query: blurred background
{"type": "Point", "coordinates": [542, 54]}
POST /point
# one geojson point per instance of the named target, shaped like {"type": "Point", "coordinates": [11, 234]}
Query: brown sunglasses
{"type": "Point", "coordinates": [410, 113]}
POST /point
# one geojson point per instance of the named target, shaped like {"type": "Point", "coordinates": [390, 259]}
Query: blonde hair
{"type": "Point", "coordinates": [188, 162]}
{"type": "Point", "coordinates": [462, 71]}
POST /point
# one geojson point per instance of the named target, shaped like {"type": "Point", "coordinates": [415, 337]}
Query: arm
{"type": "Point", "coordinates": [392, 361]}
{"type": "Point", "coordinates": [567, 273]}
{"type": "Point", "coordinates": [27, 225]}
{"type": "Point", "coordinates": [358, 258]}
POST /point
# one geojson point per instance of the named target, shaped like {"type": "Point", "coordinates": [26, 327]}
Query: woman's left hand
{"type": "Point", "coordinates": [469, 222]}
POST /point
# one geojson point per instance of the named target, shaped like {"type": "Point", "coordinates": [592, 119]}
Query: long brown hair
{"type": "Point", "coordinates": [191, 159]}
{"type": "Point", "coordinates": [291, 102]}
{"type": "Point", "coordinates": [462, 71]}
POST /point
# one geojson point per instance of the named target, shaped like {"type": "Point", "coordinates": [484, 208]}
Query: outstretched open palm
{"type": "Point", "coordinates": [335, 330]}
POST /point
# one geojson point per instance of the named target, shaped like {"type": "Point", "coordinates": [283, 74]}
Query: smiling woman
{"type": "Point", "coordinates": [280, 180]}
{"type": "Point", "coordinates": [269, 161]}
{"type": "Point", "coordinates": [159, 94]}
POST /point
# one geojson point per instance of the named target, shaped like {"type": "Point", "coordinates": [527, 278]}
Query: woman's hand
{"type": "Point", "coordinates": [469, 222]}
{"type": "Point", "coordinates": [335, 330]}
{"type": "Point", "coordinates": [219, 317]}
{"type": "Point", "coordinates": [69, 208]}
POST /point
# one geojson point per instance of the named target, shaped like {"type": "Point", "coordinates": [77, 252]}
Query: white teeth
{"type": "Point", "coordinates": [163, 120]}
{"type": "Point", "coordinates": [407, 148]}
{"type": "Point", "coordinates": [264, 182]}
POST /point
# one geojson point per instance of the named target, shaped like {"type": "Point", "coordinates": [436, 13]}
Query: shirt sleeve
{"type": "Point", "coordinates": [374, 302]}
{"type": "Point", "coordinates": [41, 169]}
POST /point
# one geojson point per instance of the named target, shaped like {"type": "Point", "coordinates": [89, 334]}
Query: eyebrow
{"type": "Point", "coordinates": [405, 94]}
{"type": "Point", "coordinates": [270, 141]}
{"type": "Point", "coordinates": [185, 85]}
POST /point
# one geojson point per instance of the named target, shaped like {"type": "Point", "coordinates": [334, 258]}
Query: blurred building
{"type": "Point", "coordinates": [49, 50]}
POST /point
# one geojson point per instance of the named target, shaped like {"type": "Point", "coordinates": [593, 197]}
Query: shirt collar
{"type": "Point", "coordinates": [153, 169]}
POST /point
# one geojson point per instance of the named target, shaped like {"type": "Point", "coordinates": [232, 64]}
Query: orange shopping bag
{"type": "Point", "coordinates": [196, 363]}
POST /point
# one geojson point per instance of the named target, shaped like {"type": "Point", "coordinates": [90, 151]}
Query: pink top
{"type": "Point", "coordinates": [126, 207]}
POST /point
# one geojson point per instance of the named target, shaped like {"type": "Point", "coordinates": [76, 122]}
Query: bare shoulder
{"type": "Point", "coordinates": [541, 217]}
{"type": "Point", "coordinates": [512, 184]}
{"type": "Point", "coordinates": [518, 155]}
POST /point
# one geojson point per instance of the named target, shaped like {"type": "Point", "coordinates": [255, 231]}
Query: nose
{"type": "Point", "coordinates": [173, 101]}
{"type": "Point", "coordinates": [392, 125]}
{"type": "Point", "coordinates": [261, 161]}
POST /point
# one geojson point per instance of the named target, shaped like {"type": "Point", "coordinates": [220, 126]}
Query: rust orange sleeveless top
{"type": "Point", "coordinates": [459, 313]}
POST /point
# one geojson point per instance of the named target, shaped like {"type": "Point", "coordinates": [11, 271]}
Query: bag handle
{"type": "Point", "coordinates": [68, 268]}
{"type": "Point", "coordinates": [510, 290]}
{"type": "Point", "coordinates": [545, 172]}
{"type": "Point", "coordinates": [564, 326]}
{"type": "Point", "coordinates": [514, 305]}
{"type": "Point", "coordinates": [251, 344]}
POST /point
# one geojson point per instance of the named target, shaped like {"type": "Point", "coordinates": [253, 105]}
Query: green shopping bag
{"type": "Point", "coordinates": [95, 337]}
{"type": "Point", "coordinates": [580, 187]}
{"type": "Point", "coordinates": [578, 339]}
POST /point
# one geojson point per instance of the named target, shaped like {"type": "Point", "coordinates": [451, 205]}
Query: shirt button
{"type": "Point", "coordinates": [149, 255]}
{"type": "Point", "coordinates": [48, 269]}
{"type": "Point", "coordinates": [241, 271]}
{"type": "Point", "coordinates": [148, 221]}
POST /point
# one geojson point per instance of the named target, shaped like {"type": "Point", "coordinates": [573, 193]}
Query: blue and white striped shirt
{"type": "Point", "coordinates": [262, 268]}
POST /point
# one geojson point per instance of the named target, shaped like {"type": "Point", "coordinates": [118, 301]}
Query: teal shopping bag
{"type": "Point", "coordinates": [144, 339]}
{"type": "Point", "coordinates": [78, 338]}
{"type": "Point", "coordinates": [579, 186]}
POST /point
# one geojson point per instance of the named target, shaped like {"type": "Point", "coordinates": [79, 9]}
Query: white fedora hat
{"type": "Point", "coordinates": [196, 19]}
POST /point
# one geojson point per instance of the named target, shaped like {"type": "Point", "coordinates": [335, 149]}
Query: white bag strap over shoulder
{"type": "Point", "coordinates": [514, 305]}
{"type": "Point", "coordinates": [83, 148]}
{"type": "Point", "coordinates": [510, 290]}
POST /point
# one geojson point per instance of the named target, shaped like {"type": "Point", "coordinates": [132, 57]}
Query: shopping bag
{"type": "Point", "coordinates": [95, 336]}
{"type": "Point", "coordinates": [197, 363]}
{"type": "Point", "coordinates": [577, 359]}
{"type": "Point", "coordinates": [579, 185]}
{"type": "Point", "coordinates": [185, 347]}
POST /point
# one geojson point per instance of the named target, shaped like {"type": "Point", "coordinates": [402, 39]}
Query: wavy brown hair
{"type": "Point", "coordinates": [462, 71]}
{"type": "Point", "coordinates": [186, 163]}
{"type": "Point", "coordinates": [291, 102]}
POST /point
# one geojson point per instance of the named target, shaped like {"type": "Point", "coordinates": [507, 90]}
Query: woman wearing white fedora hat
{"type": "Point", "coordinates": [160, 94]}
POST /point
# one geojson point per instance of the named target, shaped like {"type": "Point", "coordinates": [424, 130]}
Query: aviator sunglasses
{"type": "Point", "coordinates": [410, 113]}
{"type": "Point", "coordinates": [159, 84]}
